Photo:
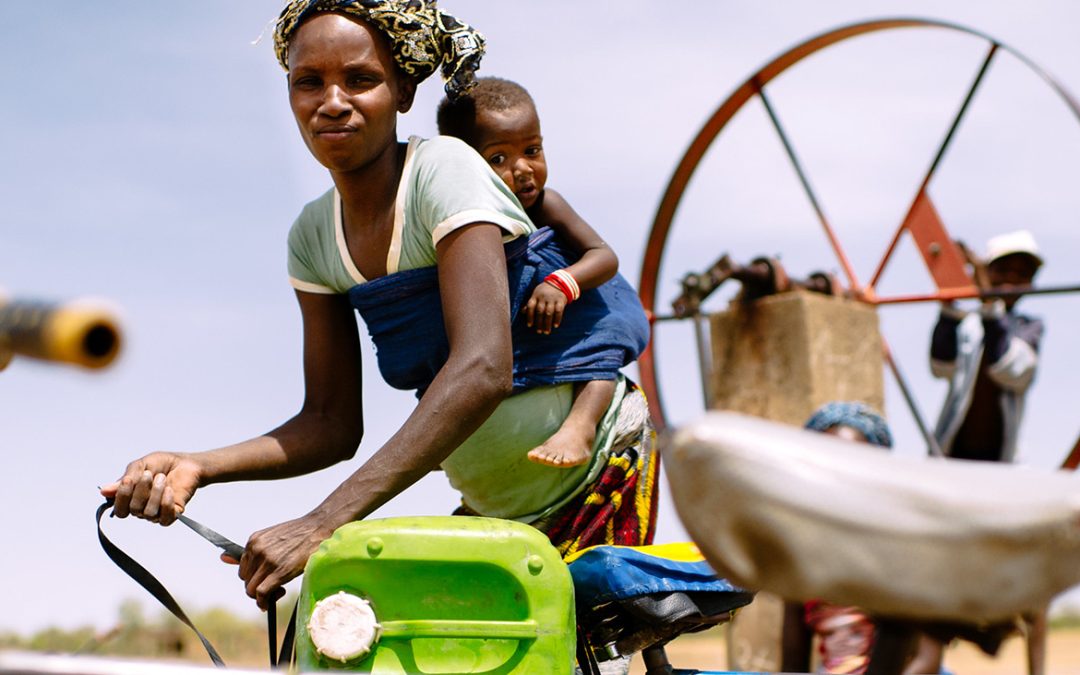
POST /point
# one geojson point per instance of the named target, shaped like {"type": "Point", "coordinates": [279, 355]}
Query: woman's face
{"type": "Point", "coordinates": [345, 91]}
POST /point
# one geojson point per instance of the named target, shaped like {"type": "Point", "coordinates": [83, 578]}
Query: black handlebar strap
{"type": "Point", "coordinates": [147, 580]}
{"type": "Point", "coordinates": [150, 583]}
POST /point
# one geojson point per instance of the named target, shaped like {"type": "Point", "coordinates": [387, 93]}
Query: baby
{"type": "Point", "coordinates": [498, 118]}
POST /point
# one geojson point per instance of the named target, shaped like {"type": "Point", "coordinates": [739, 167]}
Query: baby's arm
{"type": "Point", "coordinates": [597, 264]}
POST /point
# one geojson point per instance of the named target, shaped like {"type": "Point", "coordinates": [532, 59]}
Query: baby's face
{"type": "Point", "coordinates": [511, 143]}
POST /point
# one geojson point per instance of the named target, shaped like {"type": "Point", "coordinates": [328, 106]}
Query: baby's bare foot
{"type": "Point", "coordinates": [566, 448]}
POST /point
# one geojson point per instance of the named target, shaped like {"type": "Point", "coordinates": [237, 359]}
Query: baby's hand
{"type": "Point", "coordinates": [545, 308]}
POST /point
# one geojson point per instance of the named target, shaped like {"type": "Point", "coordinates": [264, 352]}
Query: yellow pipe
{"type": "Point", "coordinates": [80, 332]}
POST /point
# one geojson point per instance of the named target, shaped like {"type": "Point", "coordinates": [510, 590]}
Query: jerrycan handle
{"type": "Point", "coordinates": [510, 630]}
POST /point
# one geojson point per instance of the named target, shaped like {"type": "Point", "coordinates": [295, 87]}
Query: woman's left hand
{"type": "Point", "coordinates": [276, 555]}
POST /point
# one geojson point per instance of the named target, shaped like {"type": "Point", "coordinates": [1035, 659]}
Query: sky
{"type": "Point", "coordinates": [150, 159]}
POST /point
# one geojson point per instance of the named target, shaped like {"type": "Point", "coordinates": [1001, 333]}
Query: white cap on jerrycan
{"type": "Point", "coordinates": [343, 626]}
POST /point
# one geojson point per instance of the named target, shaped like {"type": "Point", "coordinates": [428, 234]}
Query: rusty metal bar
{"type": "Point", "coordinates": [814, 202]}
{"type": "Point", "coordinates": [1072, 460]}
{"type": "Point", "coordinates": [960, 114]}
{"type": "Point", "coordinates": [961, 294]}
{"type": "Point", "coordinates": [937, 160]}
{"type": "Point", "coordinates": [939, 296]}
{"type": "Point", "coordinates": [702, 337]}
{"type": "Point", "coordinates": [939, 252]}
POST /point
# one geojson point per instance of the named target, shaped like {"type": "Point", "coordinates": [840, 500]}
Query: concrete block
{"type": "Point", "coordinates": [784, 355]}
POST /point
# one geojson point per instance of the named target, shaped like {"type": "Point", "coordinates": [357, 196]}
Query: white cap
{"type": "Point", "coordinates": [1021, 241]}
{"type": "Point", "coordinates": [343, 627]}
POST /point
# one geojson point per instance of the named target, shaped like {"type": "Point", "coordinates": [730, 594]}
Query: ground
{"type": "Point", "coordinates": [706, 651]}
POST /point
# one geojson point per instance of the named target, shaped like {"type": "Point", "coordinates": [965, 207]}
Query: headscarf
{"type": "Point", "coordinates": [422, 37]}
{"type": "Point", "coordinates": [858, 416]}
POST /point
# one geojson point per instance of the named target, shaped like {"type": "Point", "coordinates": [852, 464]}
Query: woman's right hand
{"type": "Point", "coordinates": [156, 487]}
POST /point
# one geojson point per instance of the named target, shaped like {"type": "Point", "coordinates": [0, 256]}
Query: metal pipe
{"type": "Point", "coordinates": [849, 271]}
{"type": "Point", "coordinates": [84, 333]}
{"type": "Point", "coordinates": [988, 294]}
{"type": "Point", "coordinates": [701, 337]}
{"type": "Point", "coordinates": [932, 446]}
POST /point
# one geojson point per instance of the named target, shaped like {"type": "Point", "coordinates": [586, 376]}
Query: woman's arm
{"type": "Point", "coordinates": [598, 262]}
{"type": "Point", "coordinates": [327, 429]}
{"type": "Point", "coordinates": [476, 378]}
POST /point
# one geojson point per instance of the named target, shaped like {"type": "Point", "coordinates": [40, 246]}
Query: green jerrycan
{"type": "Point", "coordinates": [441, 594]}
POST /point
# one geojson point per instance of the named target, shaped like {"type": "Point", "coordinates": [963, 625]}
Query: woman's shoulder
{"type": "Point", "coordinates": [440, 150]}
{"type": "Point", "coordinates": [320, 208]}
{"type": "Point", "coordinates": [316, 218]}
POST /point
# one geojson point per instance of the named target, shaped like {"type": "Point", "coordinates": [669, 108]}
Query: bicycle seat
{"type": "Point", "coordinates": [806, 515]}
{"type": "Point", "coordinates": [631, 598]}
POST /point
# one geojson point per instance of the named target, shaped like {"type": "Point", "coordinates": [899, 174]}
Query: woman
{"type": "Point", "coordinates": [405, 224]}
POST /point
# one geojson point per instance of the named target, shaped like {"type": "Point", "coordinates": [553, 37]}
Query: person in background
{"type": "Point", "coordinates": [989, 356]}
{"type": "Point", "coordinates": [844, 634]}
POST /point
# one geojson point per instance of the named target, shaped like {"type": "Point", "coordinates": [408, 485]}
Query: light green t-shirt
{"type": "Point", "coordinates": [446, 185]}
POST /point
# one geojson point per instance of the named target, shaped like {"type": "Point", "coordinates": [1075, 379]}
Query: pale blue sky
{"type": "Point", "coordinates": [149, 157]}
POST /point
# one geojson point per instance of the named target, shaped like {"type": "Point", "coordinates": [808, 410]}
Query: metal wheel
{"type": "Point", "coordinates": [921, 221]}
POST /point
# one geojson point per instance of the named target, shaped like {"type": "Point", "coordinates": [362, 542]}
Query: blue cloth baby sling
{"type": "Point", "coordinates": [604, 330]}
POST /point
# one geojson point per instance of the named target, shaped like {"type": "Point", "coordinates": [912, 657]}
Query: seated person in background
{"type": "Point", "coordinates": [498, 119]}
{"type": "Point", "coordinates": [845, 635]}
{"type": "Point", "coordinates": [989, 358]}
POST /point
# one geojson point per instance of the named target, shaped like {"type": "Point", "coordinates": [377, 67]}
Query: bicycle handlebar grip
{"type": "Point", "coordinates": [80, 332]}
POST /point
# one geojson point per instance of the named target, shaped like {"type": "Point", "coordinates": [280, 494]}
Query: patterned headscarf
{"type": "Point", "coordinates": [858, 416]}
{"type": "Point", "coordinates": [422, 37]}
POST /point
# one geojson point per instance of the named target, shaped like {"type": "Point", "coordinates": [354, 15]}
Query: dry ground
{"type": "Point", "coordinates": [706, 651]}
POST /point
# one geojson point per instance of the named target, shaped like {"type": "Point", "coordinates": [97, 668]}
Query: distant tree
{"type": "Point", "coordinates": [241, 641]}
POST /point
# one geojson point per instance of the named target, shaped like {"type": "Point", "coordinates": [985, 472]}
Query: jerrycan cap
{"type": "Point", "coordinates": [343, 626]}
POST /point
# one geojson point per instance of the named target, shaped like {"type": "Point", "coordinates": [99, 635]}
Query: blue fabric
{"type": "Point", "coordinates": [604, 330]}
{"type": "Point", "coordinates": [610, 573]}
